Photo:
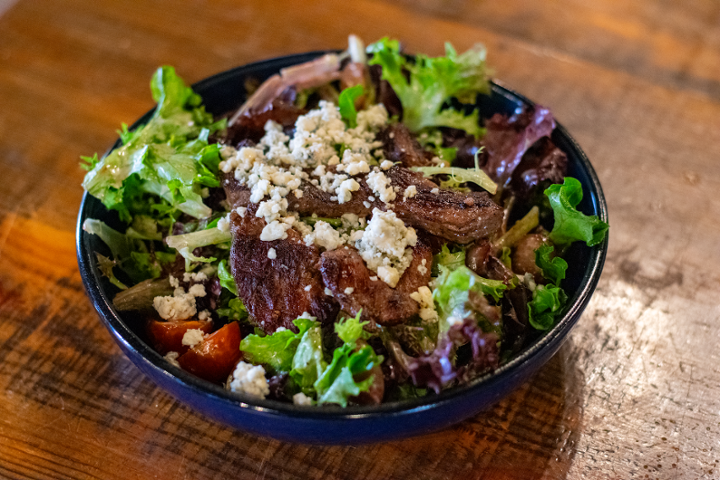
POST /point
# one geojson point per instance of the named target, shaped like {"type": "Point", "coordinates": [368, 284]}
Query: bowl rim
{"type": "Point", "coordinates": [131, 341]}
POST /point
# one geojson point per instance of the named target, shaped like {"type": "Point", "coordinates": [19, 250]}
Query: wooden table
{"type": "Point", "coordinates": [634, 393]}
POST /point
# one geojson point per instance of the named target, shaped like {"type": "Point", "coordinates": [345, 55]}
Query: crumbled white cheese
{"type": "Point", "coordinates": [380, 185]}
{"type": "Point", "coordinates": [389, 275]}
{"type": "Point", "coordinates": [250, 380]}
{"type": "Point", "coordinates": [427, 306]}
{"type": "Point", "coordinates": [192, 337]}
{"type": "Point", "coordinates": [307, 315]}
{"type": "Point", "coordinates": [307, 288]}
{"type": "Point", "coordinates": [180, 305]}
{"type": "Point", "coordinates": [272, 254]}
{"type": "Point", "coordinates": [272, 209]}
{"type": "Point", "coordinates": [174, 282]}
{"type": "Point", "coordinates": [325, 236]}
{"type": "Point", "coordinates": [195, 277]}
{"type": "Point", "coordinates": [197, 290]}
{"type": "Point", "coordinates": [204, 315]}
{"type": "Point", "coordinates": [345, 190]}
{"type": "Point", "coordinates": [280, 329]}
{"type": "Point", "coordinates": [385, 245]}
{"type": "Point", "coordinates": [349, 290]}
{"type": "Point", "coordinates": [278, 165]}
{"type": "Point", "coordinates": [410, 191]}
{"type": "Point", "coordinates": [302, 399]}
{"type": "Point", "coordinates": [172, 357]}
{"type": "Point", "coordinates": [223, 223]}
{"type": "Point", "coordinates": [274, 231]}
{"type": "Point", "coordinates": [386, 164]}
{"type": "Point", "coordinates": [435, 191]}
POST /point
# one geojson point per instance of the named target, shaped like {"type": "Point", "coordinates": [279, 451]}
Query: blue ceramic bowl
{"type": "Point", "coordinates": [358, 424]}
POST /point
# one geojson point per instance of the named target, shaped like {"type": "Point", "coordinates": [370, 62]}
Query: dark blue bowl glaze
{"type": "Point", "coordinates": [334, 425]}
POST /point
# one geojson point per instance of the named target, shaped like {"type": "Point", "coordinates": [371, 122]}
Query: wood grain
{"type": "Point", "coordinates": [635, 392]}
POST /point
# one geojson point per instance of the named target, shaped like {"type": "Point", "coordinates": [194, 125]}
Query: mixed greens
{"type": "Point", "coordinates": [171, 254]}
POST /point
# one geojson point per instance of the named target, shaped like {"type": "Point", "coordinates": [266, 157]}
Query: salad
{"type": "Point", "coordinates": [354, 233]}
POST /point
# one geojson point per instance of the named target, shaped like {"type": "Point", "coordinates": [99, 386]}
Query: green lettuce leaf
{"type": "Point", "coordinates": [545, 306]}
{"type": "Point", "coordinates": [226, 279]}
{"type": "Point", "coordinates": [168, 157]}
{"type": "Point", "coordinates": [460, 175]}
{"type": "Point", "coordinates": [432, 83]}
{"type": "Point", "coordinates": [570, 224]}
{"type": "Point", "coordinates": [129, 254]}
{"type": "Point", "coordinates": [337, 382]}
{"type": "Point", "coordinates": [235, 310]}
{"type": "Point", "coordinates": [187, 242]}
{"type": "Point", "coordinates": [552, 268]}
{"type": "Point", "coordinates": [350, 330]}
{"type": "Point", "coordinates": [106, 268]}
{"type": "Point", "coordinates": [446, 261]}
{"type": "Point", "coordinates": [276, 350]}
{"type": "Point", "coordinates": [308, 363]}
{"type": "Point", "coordinates": [451, 296]}
{"type": "Point", "coordinates": [346, 104]}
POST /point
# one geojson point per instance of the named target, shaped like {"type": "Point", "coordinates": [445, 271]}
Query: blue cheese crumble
{"type": "Point", "coordinates": [278, 164]}
{"type": "Point", "coordinates": [250, 380]}
{"type": "Point", "coordinates": [386, 246]}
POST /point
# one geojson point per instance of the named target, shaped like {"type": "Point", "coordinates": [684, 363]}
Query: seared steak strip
{"type": "Point", "coordinates": [417, 273]}
{"type": "Point", "coordinates": [455, 216]}
{"type": "Point", "coordinates": [400, 146]}
{"type": "Point", "coordinates": [275, 291]}
{"type": "Point", "coordinates": [344, 272]}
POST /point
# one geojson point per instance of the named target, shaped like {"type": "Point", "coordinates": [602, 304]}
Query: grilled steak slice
{"type": "Point", "coordinates": [237, 194]}
{"type": "Point", "coordinates": [251, 124]}
{"type": "Point", "coordinates": [313, 200]}
{"type": "Point", "coordinates": [344, 271]}
{"type": "Point", "coordinates": [317, 201]}
{"type": "Point", "coordinates": [417, 273]}
{"type": "Point", "coordinates": [459, 217]}
{"type": "Point", "coordinates": [400, 146]}
{"type": "Point", "coordinates": [274, 290]}
{"type": "Point", "coordinates": [455, 216]}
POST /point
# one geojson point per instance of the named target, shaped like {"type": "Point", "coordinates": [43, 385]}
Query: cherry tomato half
{"type": "Point", "coordinates": [214, 358]}
{"type": "Point", "coordinates": [167, 336]}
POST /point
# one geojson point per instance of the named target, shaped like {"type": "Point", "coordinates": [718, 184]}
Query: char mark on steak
{"type": "Point", "coordinates": [274, 290]}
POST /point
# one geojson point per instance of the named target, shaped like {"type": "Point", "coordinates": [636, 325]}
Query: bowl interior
{"type": "Point", "coordinates": [225, 92]}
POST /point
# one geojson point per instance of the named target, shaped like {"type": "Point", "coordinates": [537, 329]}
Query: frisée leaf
{"type": "Point", "coordinates": [169, 155]}
{"type": "Point", "coordinates": [432, 82]}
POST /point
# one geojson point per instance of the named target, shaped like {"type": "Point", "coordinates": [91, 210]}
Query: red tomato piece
{"type": "Point", "coordinates": [215, 358]}
{"type": "Point", "coordinates": [167, 336]}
